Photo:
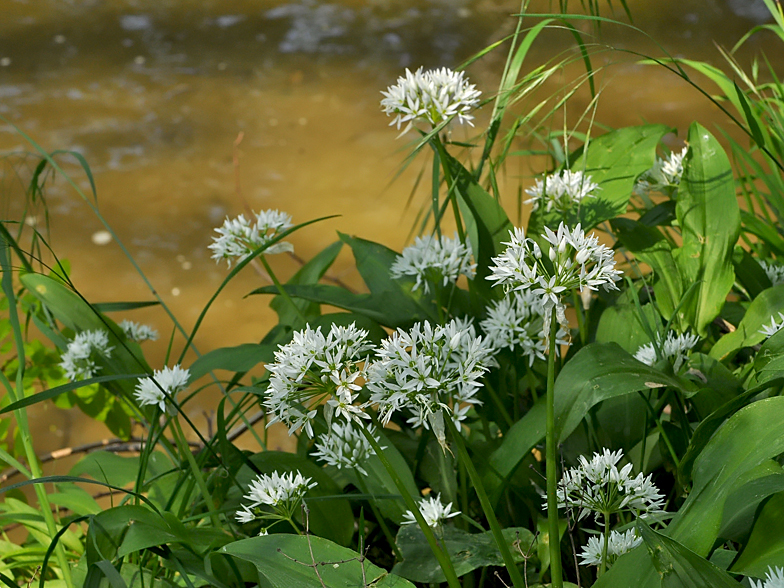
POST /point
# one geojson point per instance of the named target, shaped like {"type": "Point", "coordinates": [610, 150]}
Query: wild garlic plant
{"type": "Point", "coordinates": [275, 497]}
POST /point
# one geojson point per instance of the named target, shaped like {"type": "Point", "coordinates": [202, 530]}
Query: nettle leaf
{"type": "Point", "coordinates": [709, 218]}
{"type": "Point", "coordinates": [283, 561]}
{"type": "Point", "coordinates": [597, 372]}
{"type": "Point", "coordinates": [468, 551]}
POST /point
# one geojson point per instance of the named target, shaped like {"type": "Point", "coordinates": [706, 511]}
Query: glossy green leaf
{"type": "Point", "coordinates": [621, 324]}
{"type": "Point", "coordinates": [468, 551]}
{"type": "Point", "coordinates": [234, 359]}
{"type": "Point", "coordinates": [709, 219]}
{"type": "Point", "coordinates": [286, 561]}
{"type": "Point", "coordinates": [740, 509]}
{"type": "Point", "coordinates": [765, 546]}
{"type": "Point", "coordinates": [764, 307]}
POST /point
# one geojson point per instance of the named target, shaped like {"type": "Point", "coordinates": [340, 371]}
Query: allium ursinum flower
{"type": "Point", "coordinates": [768, 330]}
{"type": "Point", "coordinates": [432, 96]}
{"type": "Point", "coordinates": [282, 493]}
{"type": "Point", "coordinates": [774, 578]}
{"type": "Point", "coordinates": [432, 510]}
{"type": "Point", "coordinates": [345, 447]}
{"type": "Point", "coordinates": [563, 192]}
{"type": "Point", "coordinates": [429, 370]}
{"type": "Point", "coordinates": [617, 545]}
{"type": "Point", "coordinates": [774, 271]}
{"type": "Point", "coordinates": [434, 260]}
{"type": "Point", "coordinates": [163, 388]}
{"type": "Point", "coordinates": [516, 322]}
{"type": "Point", "coordinates": [239, 237]}
{"type": "Point", "coordinates": [675, 349]}
{"type": "Point", "coordinates": [664, 176]}
{"type": "Point", "coordinates": [577, 262]}
{"type": "Point", "coordinates": [598, 486]}
{"type": "Point", "coordinates": [138, 332]}
{"type": "Point", "coordinates": [314, 369]}
{"type": "Point", "coordinates": [79, 358]}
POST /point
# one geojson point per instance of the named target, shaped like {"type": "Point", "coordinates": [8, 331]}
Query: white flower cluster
{"type": "Point", "coordinates": [674, 349]}
{"type": "Point", "coordinates": [432, 510]}
{"type": "Point", "coordinates": [429, 370]}
{"type": "Point", "coordinates": [163, 387]}
{"type": "Point", "coordinates": [563, 192]}
{"type": "Point", "coordinates": [664, 176]}
{"type": "Point", "coordinates": [138, 332]}
{"type": "Point", "coordinates": [434, 260]}
{"type": "Point", "coordinates": [517, 322]}
{"type": "Point", "coordinates": [313, 368]}
{"type": "Point", "coordinates": [345, 447]}
{"type": "Point", "coordinates": [432, 96]}
{"type": "Point", "coordinates": [774, 271]}
{"type": "Point", "coordinates": [240, 237]}
{"type": "Point", "coordinates": [617, 545]}
{"type": "Point", "coordinates": [598, 486]}
{"type": "Point", "coordinates": [774, 578]}
{"type": "Point", "coordinates": [577, 262]}
{"type": "Point", "coordinates": [771, 329]}
{"type": "Point", "coordinates": [282, 492]}
{"type": "Point", "coordinates": [79, 358]}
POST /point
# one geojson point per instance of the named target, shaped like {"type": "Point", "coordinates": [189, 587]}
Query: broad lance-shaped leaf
{"type": "Point", "coordinates": [596, 372]}
{"type": "Point", "coordinates": [287, 561]}
{"type": "Point", "coordinates": [753, 435]}
{"type": "Point", "coordinates": [709, 219]}
{"type": "Point", "coordinates": [765, 546]}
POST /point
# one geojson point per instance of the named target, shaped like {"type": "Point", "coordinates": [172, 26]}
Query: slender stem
{"type": "Point", "coordinates": [498, 404]}
{"type": "Point", "coordinates": [552, 463]}
{"type": "Point", "coordinates": [603, 566]}
{"type": "Point", "coordinates": [179, 437]}
{"type": "Point", "coordinates": [280, 288]}
{"type": "Point", "coordinates": [441, 555]}
{"type": "Point", "coordinates": [450, 186]}
{"type": "Point", "coordinates": [435, 190]}
{"type": "Point", "coordinates": [487, 507]}
{"type": "Point", "coordinates": [663, 434]}
{"type": "Point", "coordinates": [379, 517]}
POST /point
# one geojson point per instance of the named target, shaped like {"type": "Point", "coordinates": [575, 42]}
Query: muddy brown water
{"type": "Point", "coordinates": [155, 94]}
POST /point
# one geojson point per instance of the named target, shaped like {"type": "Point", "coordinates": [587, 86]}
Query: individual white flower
{"type": "Point", "coordinates": [774, 271]}
{"type": "Point", "coordinates": [617, 545]}
{"type": "Point", "coordinates": [577, 261]}
{"type": "Point", "coordinates": [239, 237]}
{"type": "Point", "coordinates": [675, 349]}
{"type": "Point", "coordinates": [282, 493]}
{"type": "Point", "coordinates": [598, 486]}
{"type": "Point", "coordinates": [313, 370]}
{"type": "Point", "coordinates": [517, 322]}
{"type": "Point", "coordinates": [432, 260]}
{"type": "Point", "coordinates": [345, 447]}
{"type": "Point", "coordinates": [163, 388]}
{"type": "Point", "coordinates": [80, 356]}
{"type": "Point", "coordinates": [563, 192]}
{"type": "Point", "coordinates": [771, 329]}
{"type": "Point", "coordinates": [429, 370]}
{"type": "Point", "coordinates": [138, 332]}
{"type": "Point", "coordinates": [432, 510]}
{"type": "Point", "coordinates": [664, 176]}
{"type": "Point", "coordinates": [432, 96]}
{"type": "Point", "coordinates": [774, 578]}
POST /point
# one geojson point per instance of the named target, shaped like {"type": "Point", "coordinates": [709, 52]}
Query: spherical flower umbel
{"type": "Point", "coordinates": [282, 493]}
{"type": "Point", "coordinates": [314, 369]}
{"type": "Point", "coordinates": [80, 356]}
{"type": "Point", "coordinates": [774, 326]}
{"type": "Point", "coordinates": [774, 271]}
{"type": "Point", "coordinates": [138, 332]}
{"type": "Point", "coordinates": [563, 192]}
{"type": "Point", "coordinates": [432, 510]}
{"type": "Point", "coordinates": [617, 545]}
{"type": "Point", "coordinates": [239, 237]}
{"type": "Point", "coordinates": [598, 486]}
{"type": "Point", "coordinates": [576, 261]}
{"type": "Point", "coordinates": [434, 96]}
{"type": "Point", "coordinates": [516, 322]}
{"type": "Point", "coordinates": [163, 388]}
{"type": "Point", "coordinates": [345, 447]}
{"type": "Point", "coordinates": [774, 578]}
{"type": "Point", "coordinates": [427, 371]}
{"type": "Point", "coordinates": [664, 176]}
{"type": "Point", "coordinates": [675, 349]}
{"type": "Point", "coordinates": [432, 260]}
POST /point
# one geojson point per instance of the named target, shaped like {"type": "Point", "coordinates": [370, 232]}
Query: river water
{"type": "Point", "coordinates": [155, 94]}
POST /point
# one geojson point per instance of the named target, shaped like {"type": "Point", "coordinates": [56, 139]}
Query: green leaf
{"type": "Point", "coordinates": [235, 359]}
{"type": "Point", "coordinates": [709, 218]}
{"type": "Point", "coordinates": [679, 567]}
{"type": "Point", "coordinates": [740, 509]}
{"type": "Point", "coordinates": [768, 304]}
{"type": "Point", "coordinates": [284, 561]}
{"type": "Point", "coordinates": [621, 324]}
{"type": "Point", "coordinates": [765, 546]}
{"type": "Point", "coordinates": [468, 551]}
